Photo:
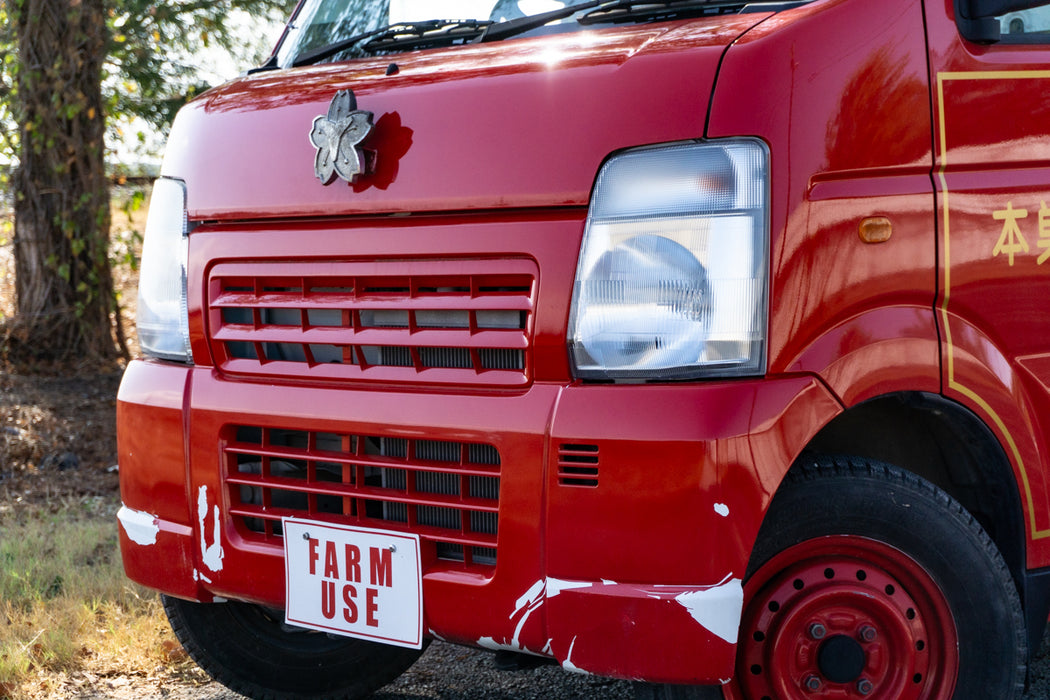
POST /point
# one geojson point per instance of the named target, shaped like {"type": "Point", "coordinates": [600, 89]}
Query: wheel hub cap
{"type": "Point", "coordinates": [845, 617]}
{"type": "Point", "coordinates": [841, 659]}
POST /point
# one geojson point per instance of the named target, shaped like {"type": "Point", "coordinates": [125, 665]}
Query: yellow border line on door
{"type": "Point", "coordinates": [952, 382]}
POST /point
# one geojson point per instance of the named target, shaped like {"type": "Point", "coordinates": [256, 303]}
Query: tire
{"type": "Point", "coordinates": [868, 581]}
{"type": "Point", "coordinates": [249, 649]}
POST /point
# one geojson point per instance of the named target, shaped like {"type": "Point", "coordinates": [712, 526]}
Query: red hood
{"type": "Point", "coordinates": [521, 123]}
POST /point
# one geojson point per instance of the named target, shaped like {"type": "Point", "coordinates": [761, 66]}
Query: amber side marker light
{"type": "Point", "coordinates": [876, 229]}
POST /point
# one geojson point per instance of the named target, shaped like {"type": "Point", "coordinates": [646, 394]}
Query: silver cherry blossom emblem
{"type": "Point", "coordinates": [337, 136]}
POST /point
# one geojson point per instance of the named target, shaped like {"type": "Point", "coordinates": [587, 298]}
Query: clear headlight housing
{"type": "Point", "coordinates": [672, 276]}
{"type": "Point", "coordinates": [163, 318]}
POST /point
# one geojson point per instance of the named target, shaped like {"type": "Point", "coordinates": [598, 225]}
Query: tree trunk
{"type": "Point", "coordinates": [65, 305]}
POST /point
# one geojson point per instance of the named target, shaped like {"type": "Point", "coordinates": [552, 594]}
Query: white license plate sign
{"type": "Point", "coordinates": [354, 581]}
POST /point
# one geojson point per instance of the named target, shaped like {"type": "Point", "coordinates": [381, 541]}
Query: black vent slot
{"type": "Point", "coordinates": [578, 465]}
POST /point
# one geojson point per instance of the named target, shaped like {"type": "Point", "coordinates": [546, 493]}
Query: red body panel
{"type": "Point", "coordinates": [691, 548]}
{"type": "Point", "coordinates": [990, 307]}
{"type": "Point", "coordinates": [626, 513]}
{"type": "Point", "coordinates": [519, 123]}
{"type": "Point", "coordinates": [858, 314]}
{"type": "Point", "coordinates": [152, 431]}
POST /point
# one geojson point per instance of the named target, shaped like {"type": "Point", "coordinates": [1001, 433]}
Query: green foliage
{"type": "Point", "coordinates": [126, 241]}
{"type": "Point", "coordinates": [152, 45]}
{"type": "Point", "coordinates": [150, 69]}
{"type": "Point", "coordinates": [8, 65]}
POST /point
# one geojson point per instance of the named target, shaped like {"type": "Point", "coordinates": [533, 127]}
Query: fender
{"type": "Point", "coordinates": [1009, 397]}
{"type": "Point", "coordinates": [880, 351]}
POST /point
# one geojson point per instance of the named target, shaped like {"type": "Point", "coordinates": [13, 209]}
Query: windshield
{"type": "Point", "coordinates": [320, 23]}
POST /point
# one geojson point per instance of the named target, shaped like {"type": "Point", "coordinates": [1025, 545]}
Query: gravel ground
{"type": "Point", "coordinates": [445, 672]}
{"type": "Point", "coordinates": [448, 672]}
{"type": "Point", "coordinates": [457, 673]}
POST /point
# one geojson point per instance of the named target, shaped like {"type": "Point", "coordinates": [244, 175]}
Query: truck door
{"type": "Point", "coordinates": [991, 117]}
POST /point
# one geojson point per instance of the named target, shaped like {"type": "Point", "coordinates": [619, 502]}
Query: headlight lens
{"type": "Point", "coordinates": [163, 319]}
{"type": "Point", "coordinates": [671, 282]}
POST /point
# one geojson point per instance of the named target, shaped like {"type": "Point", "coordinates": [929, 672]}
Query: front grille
{"type": "Point", "coordinates": [437, 322]}
{"type": "Point", "coordinates": [446, 492]}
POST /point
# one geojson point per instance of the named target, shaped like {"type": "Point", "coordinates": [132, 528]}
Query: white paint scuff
{"type": "Point", "coordinates": [211, 554]}
{"type": "Point", "coordinates": [529, 603]}
{"type": "Point", "coordinates": [722, 509]}
{"type": "Point", "coordinates": [529, 598]}
{"type": "Point", "coordinates": [568, 665]}
{"type": "Point", "coordinates": [140, 527]}
{"type": "Point", "coordinates": [557, 585]}
{"type": "Point", "coordinates": [717, 608]}
{"type": "Point", "coordinates": [492, 645]}
{"type": "Point", "coordinates": [539, 593]}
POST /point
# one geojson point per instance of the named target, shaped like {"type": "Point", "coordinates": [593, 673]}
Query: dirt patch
{"type": "Point", "coordinates": [57, 438]}
{"type": "Point", "coordinates": [58, 422]}
{"type": "Point", "coordinates": [181, 681]}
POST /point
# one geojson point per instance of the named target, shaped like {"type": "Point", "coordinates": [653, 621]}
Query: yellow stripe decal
{"type": "Point", "coordinates": [952, 382]}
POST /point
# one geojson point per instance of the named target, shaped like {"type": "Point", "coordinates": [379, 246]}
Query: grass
{"type": "Point", "coordinates": [65, 604]}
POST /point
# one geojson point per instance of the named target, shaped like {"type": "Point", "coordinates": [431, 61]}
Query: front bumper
{"type": "Point", "coordinates": [626, 514]}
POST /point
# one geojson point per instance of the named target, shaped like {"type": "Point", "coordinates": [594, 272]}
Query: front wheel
{"type": "Point", "coordinates": [249, 649]}
{"type": "Point", "coordinates": [869, 582]}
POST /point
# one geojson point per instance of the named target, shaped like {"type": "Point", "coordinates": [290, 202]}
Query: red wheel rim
{"type": "Point", "coordinates": [845, 617]}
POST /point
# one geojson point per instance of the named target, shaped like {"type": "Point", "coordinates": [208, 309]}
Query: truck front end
{"type": "Point", "coordinates": [462, 338]}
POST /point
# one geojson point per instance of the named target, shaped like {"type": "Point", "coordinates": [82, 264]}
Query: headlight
{"type": "Point", "coordinates": [671, 282]}
{"type": "Point", "coordinates": [163, 320]}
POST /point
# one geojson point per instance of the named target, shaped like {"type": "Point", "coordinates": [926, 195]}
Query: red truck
{"type": "Point", "coordinates": [700, 342]}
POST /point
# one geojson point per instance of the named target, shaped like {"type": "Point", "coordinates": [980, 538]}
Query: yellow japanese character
{"type": "Point", "coordinates": [1011, 240]}
{"type": "Point", "coordinates": [1044, 232]}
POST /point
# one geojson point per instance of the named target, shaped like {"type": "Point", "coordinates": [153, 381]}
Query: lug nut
{"type": "Point", "coordinates": [864, 686]}
{"type": "Point", "coordinates": [817, 631]}
{"type": "Point", "coordinates": [812, 684]}
{"type": "Point", "coordinates": [868, 634]}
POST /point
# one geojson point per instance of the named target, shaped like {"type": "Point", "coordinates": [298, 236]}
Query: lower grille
{"type": "Point", "coordinates": [446, 492]}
